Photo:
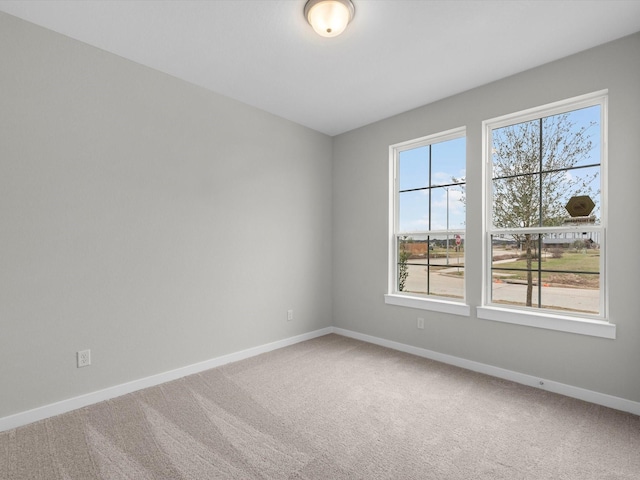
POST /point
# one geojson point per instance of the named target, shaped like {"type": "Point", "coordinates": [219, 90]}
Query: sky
{"type": "Point", "coordinates": [448, 161]}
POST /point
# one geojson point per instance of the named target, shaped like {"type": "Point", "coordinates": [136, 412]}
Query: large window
{"type": "Point", "coordinates": [428, 217]}
{"type": "Point", "coordinates": [545, 213]}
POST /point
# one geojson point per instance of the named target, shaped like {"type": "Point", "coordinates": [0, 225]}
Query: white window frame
{"type": "Point", "coordinates": [594, 325]}
{"type": "Point", "coordinates": [393, 297]}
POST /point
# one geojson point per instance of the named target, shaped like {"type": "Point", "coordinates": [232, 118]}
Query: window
{"type": "Point", "coordinates": [428, 222]}
{"type": "Point", "coordinates": [545, 213]}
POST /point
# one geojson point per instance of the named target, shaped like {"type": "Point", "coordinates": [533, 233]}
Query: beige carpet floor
{"type": "Point", "coordinates": [330, 408]}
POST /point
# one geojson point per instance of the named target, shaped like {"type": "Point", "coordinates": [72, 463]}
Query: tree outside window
{"type": "Point", "coordinates": [541, 255]}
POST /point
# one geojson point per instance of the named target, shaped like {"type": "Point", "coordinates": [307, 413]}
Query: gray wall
{"type": "Point", "coordinates": [147, 219]}
{"type": "Point", "coordinates": [360, 241]}
{"type": "Point", "coordinates": [159, 224]}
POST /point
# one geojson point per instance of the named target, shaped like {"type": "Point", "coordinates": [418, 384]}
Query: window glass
{"type": "Point", "coordinates": [430, 217]}
{"type": "Point", "coordinates": [414, 168]}
{"type": "Point", "coordinates": [545, 226]}
{"type": "Point", "coordinates": [427, 267]}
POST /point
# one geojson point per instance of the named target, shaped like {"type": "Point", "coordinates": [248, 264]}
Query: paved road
{"type": "Point", "coordinates": [447, 283]}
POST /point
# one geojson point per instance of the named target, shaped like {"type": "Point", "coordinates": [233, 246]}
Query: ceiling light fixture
{"type": "Point", "coordinates": [329, 18]}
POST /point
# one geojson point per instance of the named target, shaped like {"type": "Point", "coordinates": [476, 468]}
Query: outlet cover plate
{"type": "Point", "coordinates": [84, 358]}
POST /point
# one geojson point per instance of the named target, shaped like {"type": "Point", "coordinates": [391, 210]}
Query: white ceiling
{"type": "Point", "coordinates": [396, 55]}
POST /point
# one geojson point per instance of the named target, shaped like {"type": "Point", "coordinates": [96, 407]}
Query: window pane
{"type": "Point", "coordinates": [512, 293]}
{"type": "Point", "coordinates": [516, 149]}
{"type": "Point", "coordinates": [448, 162]}
{"type": "Point", "coordinates": [515, 253]}
{"type": "Point", "coordinates": [515, 264]}
{"type": "Point", "coordinates": [571, 139]}
{"type": "Point", "coordinates": [579, 295]}
{"type": "Point", "coordinates": [412, 260]}
{"type": "Point", "coordinates": [414, 168]}
{"type": "Point", "coordinates": [413, 211]}
{"type": "Point", "coordinates": [559, 187]}
{"type": "Point", "coordinates": [429, 265]}
{"type": "Point", "coordinates": [516, 202]}
{"type": "Point", "coordinates": [448, 208]}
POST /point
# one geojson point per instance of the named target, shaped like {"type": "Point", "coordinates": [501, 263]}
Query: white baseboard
{"type": "Point", "coordinates": [537, 382]}
{"type": "Point", "coordinates": [47, 411]}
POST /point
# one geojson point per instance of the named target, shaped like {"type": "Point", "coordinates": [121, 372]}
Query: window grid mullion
{"type": "Point", "coordinates": [552, 170]}
{"type": "Point", "coordinates": [428, 286]}
{"type": "Point", "coordinates": [540, 220]}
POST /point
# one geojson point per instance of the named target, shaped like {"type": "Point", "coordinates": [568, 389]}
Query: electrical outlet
{"type": "Point", "coordinates": [84, 358]}
{"type": "Point", "coordinates": [289, 315]}
{"type": "Point", "coordinates": [420, 323]}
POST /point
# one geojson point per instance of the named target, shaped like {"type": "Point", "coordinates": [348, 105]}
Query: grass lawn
{"type": "Point", "coordinates": [578, 262]}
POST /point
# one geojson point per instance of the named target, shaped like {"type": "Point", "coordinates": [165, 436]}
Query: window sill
{"type": "Point", "coordinates": [434, 305]}
{"type": "Point", "coordinates": [582, 326]}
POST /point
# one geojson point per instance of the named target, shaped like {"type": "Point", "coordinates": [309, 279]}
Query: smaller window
{"type": "Point", "coordinates": [428, 217]}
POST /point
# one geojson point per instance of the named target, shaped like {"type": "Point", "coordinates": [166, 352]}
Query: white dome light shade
{"type": "Point", "coordinates": [329, 18]}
